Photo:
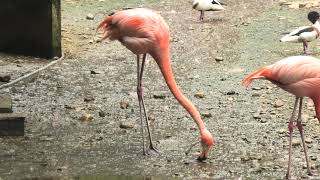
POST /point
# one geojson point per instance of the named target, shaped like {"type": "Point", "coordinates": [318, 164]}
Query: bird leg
{"type": "Point", "coordinates": [139, 93]}
{"type": "Point", "coordinates": [305, 47]}
{"type": "Point", "coordinates": [299, 125]}
{"type": "Point", "coordinates": [291, 126]}
{"type": "Point", "coordinates": [141, 102]}
{"type": "Point", "coordinates": [201, 15]}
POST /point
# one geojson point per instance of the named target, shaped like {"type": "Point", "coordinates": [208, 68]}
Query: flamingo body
{"type": "Point", "coordinates": [143, 31]}
{"type": "Point", "coordinates": [300, 76]}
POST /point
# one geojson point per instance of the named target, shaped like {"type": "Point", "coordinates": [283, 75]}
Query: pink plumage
{"type": "Point", "coordinates": [300, 76]}
{"type": "Point", "coordinates": [144, 32]}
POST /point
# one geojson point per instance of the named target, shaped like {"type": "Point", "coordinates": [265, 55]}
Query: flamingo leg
{"type": "Point", "coordinates": [291, 126]}
{"type": "Point", "coordinates": [141, 101]}
{"type": "Point", "coordinates": [139, 93]}
{"type": "Point", "coordinates": [299, 125]}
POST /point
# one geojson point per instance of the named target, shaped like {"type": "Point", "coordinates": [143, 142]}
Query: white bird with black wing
{"type": "Point", "coordinates": [207, 5]}
{"type": "Point", "coordinates": [305, 34]}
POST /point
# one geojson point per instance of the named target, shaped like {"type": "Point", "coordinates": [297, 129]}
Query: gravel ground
{"type": "Point", "coordinates": [98, 80]}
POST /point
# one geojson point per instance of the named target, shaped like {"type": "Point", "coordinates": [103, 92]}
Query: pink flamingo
{"type": "Point", "coordinates": [144, 32]}
{"type": "Point", "coordinates": [300, 76]}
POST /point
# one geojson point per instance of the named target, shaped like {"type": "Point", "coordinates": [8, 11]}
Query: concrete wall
{"type": "Point", "coordinates": [31, 27]}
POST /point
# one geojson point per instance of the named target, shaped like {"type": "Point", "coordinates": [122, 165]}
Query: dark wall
{"type": "Point", "coordinates": [30, 27]}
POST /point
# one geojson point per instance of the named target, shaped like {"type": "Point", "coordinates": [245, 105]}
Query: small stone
{"type": "Point", "coordinates": [5, 78]}
{"type": "Point", "coordinates": [256, 116]}
{"type": "Point", "coordinates": [313, 158]}
{"type": "Point", "coordinates": [159, 95]}
{"type": "Point", "coordinates": [151, 117]}
{"type": "Point", "coordinates": [308, 140]}
{"type": "Point", "coordinates": [219, 59]}
{"type": "Point", "coordinates": [282, 131]}
{"type": "Point", "coordinates": [102, 114]}
{"type": "Point", "coordinates": [255, 95]}
{"type": "Point", "coordinates": [95, 72]}
{"type": "Point", "coordinates": [86, 117]}
{"type": "Point", "coordinates": [62, 168]}
{"type": "Point", "coordinates": [206, 114]}
{"type": "Point", "coordinates": [199, 95]}
{"type": "Point", "coordinates": [263, 120]}
{"type": "Point", "coordinates": [245, 158]}
{"type": "Point", "coordinates": [296, 142]}
{"type": "Point", "coordinates": [124, 105]}
{"type": "Point", "coordinates": [204, 176]}
{"type": "Point", "coordinates": [278, 104]}
{"type": "Point", "coordinates": [256, 88]}
{"type": "Point", "coordinates": [231, 92]}
{"type": "Point", "coordinates": [90, 16]}
{"type": "Point", "coordinates": [126, 125]}
{"type": "Point", "coordinates": [88, 99]}
{"type": "Point", "coordinates": [46, 138]}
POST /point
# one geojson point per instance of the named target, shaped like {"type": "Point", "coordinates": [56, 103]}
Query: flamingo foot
{"type": "Point", "coordinates": [152, 150]}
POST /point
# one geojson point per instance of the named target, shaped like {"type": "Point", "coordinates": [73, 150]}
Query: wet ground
{"type": "Point", "coordinates": [98, 80]}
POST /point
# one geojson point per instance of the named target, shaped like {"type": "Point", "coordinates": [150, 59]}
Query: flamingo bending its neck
{"type": "Point", "coordinates": [144, 32]}
{"type": "Point", "coordinates": [300, 76]}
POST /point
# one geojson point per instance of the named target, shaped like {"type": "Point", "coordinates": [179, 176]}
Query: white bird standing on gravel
{"type": "Point", "coordinates": [207, 5]}
{"type": "Point", "coordinates": [305, 34]}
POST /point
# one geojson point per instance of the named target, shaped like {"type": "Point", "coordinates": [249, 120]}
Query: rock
{"type": "Point", "coordinates": [159, 95]}
{"type": "Point", "coordinates": [256, 116]}
{"type": "Point", "coordinates": [255, 95]}
{"type": "Point", "coordinates": [95, 72]}
{"type": "Point", "coordinates": [231, 93]}
{"type": "Point", "coordinates": [245, 158]}
{"type": "Point", "coordinates": [296, 142]}
{"type": "Point", "coordinates": [204, 176]}
{"type": "Point", "coordinates": [219, 59]}
{"type": "Point", "coordinates": [308, 140]}
{"type": "Point", "coordinates": [46, 138]}
{"type": "Point", "coordinates": [256, 88]}
{"type": "Point", "coordinates": [86, 117]}
{"type": "Point", "coordinates": [5, 78]}
{"type": "Point", "coordinates": [88, 99]}
{"type": "Point", "coordinates": [282, 131]}
{"type": "Point", "coordinates": [206, 114]}
{"type": "Point", "coordinates": [199, 95]}
{"type": "Point", "coordinates": [263, 120]}
{"type": "Point", "coordinates": [126, 125]}
{"type": "Point", "coordinates": [90, 16]}
{"type": "Point", "coordinates": [278, 104]}
{"type": "Point", "coordinates": [151, 117]}
{"type": "Point", "coordinates": [313, 158]}
{"type": "Point", "coordinates": [102, 113]}
{"type": "Point", "coordinates": [124, 105]}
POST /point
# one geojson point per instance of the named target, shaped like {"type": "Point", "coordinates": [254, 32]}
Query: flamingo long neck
{"type": "Point", "coordinates": [164, 64]}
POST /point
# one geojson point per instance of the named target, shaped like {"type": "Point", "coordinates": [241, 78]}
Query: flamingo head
{"type": "Point", "coordinates": [207, 142]}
